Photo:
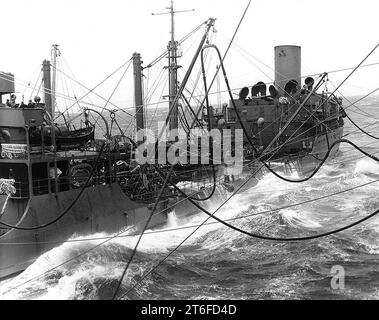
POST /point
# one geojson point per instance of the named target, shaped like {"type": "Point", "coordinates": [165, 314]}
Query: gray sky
{"type": "Point", "coordinates": [97, 36]}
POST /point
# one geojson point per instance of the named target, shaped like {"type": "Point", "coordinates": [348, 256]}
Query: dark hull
{"type": "Point", "coordinates": [305, 164]}
{"type": "Point", "coordinates": [106, 209]}
{"type": "Point", "coordinates": [101, 209]}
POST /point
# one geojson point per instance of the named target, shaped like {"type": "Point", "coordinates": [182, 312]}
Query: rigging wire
{"type": "Point", "coordinates": [163, 55]}
{"type": "Point", "coordinates": [293, 139]}
{"type": "Point", "coordinates": [225, 54]}
{"type": "Point", "coordinates": [152, 103]}
{"type": "Point", "coordinates": [64, 89]}
{"type": "Point", "coordinates": [113, 92]}
{"type": "Point", "coordinates": [353, 122]}
{"type": "Point", "coordinates": [262, 237]}
{"type": "Point", "coordinates": [29, 83]}
{"type": "Point", "coordinates": [305, 76]}
{"type": "Point", "coordinates": [154, 116]}
{"type": "Point", "coordinates": [62, 58]}
{"type": "Point", "coordinates": [211, 39]}
{"type": "Point", "coordinates": [35, 85]}
{"type": "Point", "coordinates": [25, 84]}
{"type": "Point", "coordinates": [99, 84]}
{"type": "Point", "coordinates": [312, 237]}
{"type": "Point", "coordinates": [360, 128]}
{"type": "Point", "coordinates": [156, 84]}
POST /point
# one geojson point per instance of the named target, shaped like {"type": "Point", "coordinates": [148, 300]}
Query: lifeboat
{"type": "Point", "coordinates": [65, 138]}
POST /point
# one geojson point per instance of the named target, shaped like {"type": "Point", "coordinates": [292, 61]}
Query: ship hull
{"type": "Point", "coordinates": [321, 144]}
{"type": "Point", "coordinates": [306, 163]}
{"type": "Point", "coordinates": [106, 208]}
{"type": "Point", "coordinates": [102, 208]}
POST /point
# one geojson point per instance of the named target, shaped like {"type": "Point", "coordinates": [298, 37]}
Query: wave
{"type": "Point", "coordinates": [216, 261]}
{"type": "Point", "coordinates": [368, 167]}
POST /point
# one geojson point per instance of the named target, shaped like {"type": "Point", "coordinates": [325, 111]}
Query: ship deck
{"type": "Point", "coordinates": [49, 156]}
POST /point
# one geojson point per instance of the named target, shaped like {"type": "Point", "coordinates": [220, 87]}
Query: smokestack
{"type": "Point", "coordinates": [47, 86]}
{"type": "Point", "coordinates": [287, 67]}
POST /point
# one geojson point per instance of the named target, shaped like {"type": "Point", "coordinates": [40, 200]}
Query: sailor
{"type": "Point", "coordinates": [5, 135]}
{"type": "Point", "coordinates": [13, 101]}
{"type": "Point", "coordinates": [23, 105]}
{"type": "Point", "coordinates": [11, 174]}
{"type": "Point", "coordinates": [37, 103]}
{"type": "Point", "coordinates": [52, 172]}
{"type": "Point", "coordinates": [145, 181]}
{"type": "Point", "coordinates": [31, 104]}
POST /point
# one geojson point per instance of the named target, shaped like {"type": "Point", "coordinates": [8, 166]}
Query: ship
{"type": "Point", "coordinates": [57, 181]}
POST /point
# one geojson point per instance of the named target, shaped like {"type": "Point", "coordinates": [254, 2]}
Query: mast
{"type": "Point", "coordinates": [55, 52]}
{"type": "Point", "coordinates": [138, 94]}
{"type": "Point", "coordinates": [173, 55]}
{"type": "Point", "coordinates": [173, 71]}
{"type": "Point", "coordinates": [47, 85]}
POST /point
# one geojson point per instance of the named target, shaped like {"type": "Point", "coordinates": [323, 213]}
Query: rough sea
{"type": "Point", "coordinates": [219, 263]}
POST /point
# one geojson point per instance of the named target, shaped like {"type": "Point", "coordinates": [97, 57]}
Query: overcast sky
{"type": "Point", "coordinates": [97, 36]}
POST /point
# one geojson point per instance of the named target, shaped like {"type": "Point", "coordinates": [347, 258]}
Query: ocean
{"type": "Point", "coordinates": [220, 263]}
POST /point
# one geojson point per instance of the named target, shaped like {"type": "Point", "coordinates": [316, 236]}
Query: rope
{"type": "Point", "coordinates": [223, 58]}
{"type": "Point", "coordinates": [223, 222]}
{"type": "Point", "coordinates": [360, 129]}
{"type": "Point", "coordinates": [92, 90]}
{"type": "Point", "coordinates": [262, 237]}
{"type": "Point", "coordinates": [353, 122]}
{"type": "Point", "coordinates": [7, 187]}
{"type": "Point", "coordinates": [113, 92]}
